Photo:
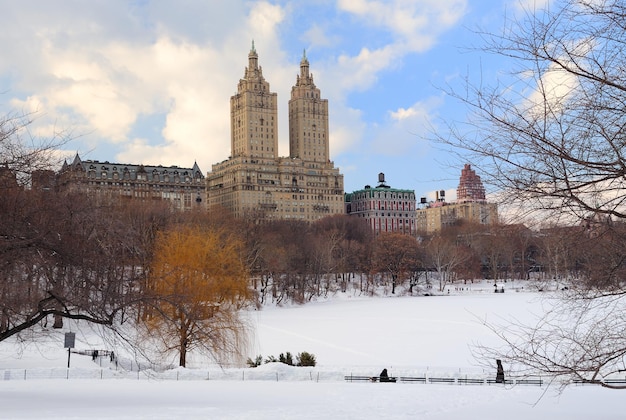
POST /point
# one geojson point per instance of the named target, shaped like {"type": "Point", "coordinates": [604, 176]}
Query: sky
{"type": "Point", "coordinates": [150, 81]}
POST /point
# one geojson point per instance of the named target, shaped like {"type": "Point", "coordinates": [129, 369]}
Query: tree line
{"type": "Point", "coordinates": [67, 255]}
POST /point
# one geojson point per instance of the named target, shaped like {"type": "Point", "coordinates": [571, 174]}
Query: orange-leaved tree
{"type": "Point", "coordinates": [198, 282]}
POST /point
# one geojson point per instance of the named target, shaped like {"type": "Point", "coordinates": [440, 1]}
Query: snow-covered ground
{"type": "Point", "coordinates": [410, 336]}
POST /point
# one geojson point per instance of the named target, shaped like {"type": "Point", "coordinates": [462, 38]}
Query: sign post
{"type": "Point", "coordinates": [70, 340]}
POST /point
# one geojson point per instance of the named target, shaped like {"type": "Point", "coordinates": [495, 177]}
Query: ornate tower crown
{"type": "Point", "coordinates": [470, 186]}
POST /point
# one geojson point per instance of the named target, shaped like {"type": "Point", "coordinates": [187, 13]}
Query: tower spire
{"type": "Point", "coordinates": [253, 59]}
{"type": "Point", "coordinates": [304, 69]}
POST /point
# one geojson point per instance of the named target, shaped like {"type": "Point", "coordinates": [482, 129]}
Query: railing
{"type": "Point", "coordinates": [451, 380]}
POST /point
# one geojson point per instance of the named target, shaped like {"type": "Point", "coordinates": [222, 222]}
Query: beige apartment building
{"type": "Point", "coordinates": [471, 205]}
{"type": "Point", "coordinates": [254, 181]}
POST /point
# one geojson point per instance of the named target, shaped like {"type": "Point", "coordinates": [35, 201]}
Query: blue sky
{"type": "Point", "coordinates": [150, 81]}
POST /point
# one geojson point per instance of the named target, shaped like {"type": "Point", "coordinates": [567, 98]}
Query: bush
{"type": "Point", "coordinates": [256, 362]}
{"type": "Point", "coordinates": [302, 359]}
{"type": "Point", "coordinates": [286, 358]}
{"type": "Point", "coordinates": [271, 359]}
{"type": "Point", "coordinates": [306, 359]}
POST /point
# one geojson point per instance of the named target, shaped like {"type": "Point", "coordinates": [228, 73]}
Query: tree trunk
{"type": "Point", "coordinates": [182, 360]}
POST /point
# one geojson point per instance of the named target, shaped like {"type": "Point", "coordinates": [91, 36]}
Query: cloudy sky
{"type": "Point", "coordinates": [149, 81]}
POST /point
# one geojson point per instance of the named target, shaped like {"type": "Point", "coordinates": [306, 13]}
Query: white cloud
{"type": "Point", "coordinates": [406, 113]}
{"type": "Point", "coordinates": [103, 68]}
{"type": "Point", "coordinates": [317, 36]}
{"type": "Point", "coordinates": [416, 24]}
{"type": "Point", "coordinates": [101, 84]}
{"type": "Point", "coordinates": [264, 17]}
{"type": "Point", "coordinates": [556, 86]}
{"type": "Point", "coordinates": [523, 6]}
{"type": "Point", "coordinates": [346, 130]}
{"type": "Point", "coordinates": [359, 72]}
{"type": "Point", "coordinates": [404, 131]}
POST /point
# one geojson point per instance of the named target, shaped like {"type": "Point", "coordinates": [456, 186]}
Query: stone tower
{"type": "Point", "coordinates": [254, 181]}
{"type": "Point", "coordinates": [308, 119]}
{"type": "Point", "coordinates": [254, 114]}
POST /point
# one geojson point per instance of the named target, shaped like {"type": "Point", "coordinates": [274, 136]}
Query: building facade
{"type": "Point", "coordinates": [254, 180]}
{"type": "Point", "coordinates": [471, 205]}
{"type": "Point", "coordinates": [182, 187]}
{"type": "Point", "coordinates": [385, 209]}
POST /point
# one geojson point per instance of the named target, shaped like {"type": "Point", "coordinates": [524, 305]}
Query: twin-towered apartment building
{"type": "Point", "coordinates": [255, 182]}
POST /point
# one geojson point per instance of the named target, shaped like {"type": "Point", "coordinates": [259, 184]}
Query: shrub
{"type": "Point", "coordinates": [256, 362]}
{"type": "Point", "coordinates": [306, 359]}
{"type": "Point", "coordinates": [302, 359]}
{"type": "Point", "coordinates": [286, 358]}
{"type": "Point", "coordinates": [271, 359]}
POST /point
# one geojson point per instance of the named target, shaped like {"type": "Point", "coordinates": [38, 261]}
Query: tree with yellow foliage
{"type": "Point", "coordinates": [198, 282]}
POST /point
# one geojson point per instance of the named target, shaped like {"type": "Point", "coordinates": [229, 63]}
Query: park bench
{"type": "Point", "coordinates": [529, 381]}
{"type": "Point", "coordinates": [606, 381]}
{"type": "Point", "coordinates": [614, 381]}
{"type": "Point", "coordinates": [441, 380]}
{"type": "Point", "coordinates": [352, 378]}
{"type": "Point", "coordinates": [471, 381]}
{"type": "Point", "coordinates": [418, 379]}
{"type": "Point", "coordinates": [506, 382]}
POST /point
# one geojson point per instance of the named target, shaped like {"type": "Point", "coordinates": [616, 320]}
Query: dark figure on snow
{"type": "Point", "coordinates": [384, 377]}
{"type": "Point", "coordinates": [94, 355]}
{"type": "Point", "coordinates": [500, 372]}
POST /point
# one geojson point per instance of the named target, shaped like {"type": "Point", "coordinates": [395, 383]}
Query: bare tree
{"type": "Point", "coordinates": [551, 136]}
{"type": "Point", "coordinates": [23, 153]}
{"type": "Point", "coordinates": [446, 255]}
{"type": "Point", "coordinates": [576, 341]}
{"type": "Point", "coordinates": [65, 257]}
{"type": "Point", "coordinates": [395, 254]}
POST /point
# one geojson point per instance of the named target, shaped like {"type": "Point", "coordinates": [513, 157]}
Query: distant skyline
{"type": "Point", "coordinates": [150, 81]}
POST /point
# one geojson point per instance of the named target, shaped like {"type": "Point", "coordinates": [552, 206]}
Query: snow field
{"type": "Point", "coordinates": [409, 336]}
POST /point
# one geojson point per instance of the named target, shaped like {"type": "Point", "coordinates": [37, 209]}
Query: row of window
{"type": "Point", "coordinates": [384, 205]}
{"type": "Point", "coordinates": [388, 195]}
{"type": "Point", "coordinates": [396, 215]}
{"type": "Point", "coordinates": [126, 176]}
{"type": "Point", "coordinates": [129, 186]}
